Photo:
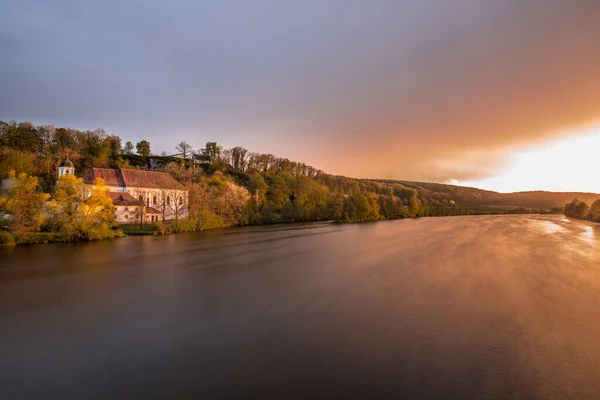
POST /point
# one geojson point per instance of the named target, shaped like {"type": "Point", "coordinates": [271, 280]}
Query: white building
{"type": "Point", "coordinates": [164, 197]}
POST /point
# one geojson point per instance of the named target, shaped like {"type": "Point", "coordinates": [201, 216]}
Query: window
{"type": "Point", "coordinates": [168, 200]}
{"type": "Point", "coordinates": [181, 201]}
{"type": "Point", "coordinates": [154, 200]}
{"type": "Point", "coordinates": [141, 198]}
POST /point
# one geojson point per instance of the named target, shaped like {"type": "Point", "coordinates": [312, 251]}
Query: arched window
{"type": "Point", "coordinates": [181, 201]}
{"type": "Point", "coordinates": [168, 200]}
{"type": "Point", "coordinates": [154, 200]}
{"type": "Point", "coordinates": [141, 198]}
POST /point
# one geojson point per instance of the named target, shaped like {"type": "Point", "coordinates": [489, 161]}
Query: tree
{"type": "Point", "coordinates": [185, 149]}
{"type": "Point", "coordinates": [18, 162]}
{"type": "Point", "coordinates": [80, 211]}
{"type": "Point", "coordinates": [258, 188]}
{"type": "Point", "coordinates": [594, 212]}
{"type": "Point", "coordinates": [26, 206]}
{"type": "Point", "coordinates": [176, 203]}
{"type": "Point", "coordinates": [576, 209]}
{"type": "Point", "coordinates": [212, 150]}
{"type": "Point", "coordinates": [113, 143]}
{"type": "Point", "coordinates": [97, 213]}
{"type": "Point", "coordinates": [238, 158]}
{"type": "Point", "coordinates": [23, 137]}
{"type": "Point", "coordinates": [140, 210]}
{"type": "Point", "coordinates": [128, 149]}
{"type": "Point", "coordinates": [143, 148]}
{"type": "Point", "coordinates": [64, 208]}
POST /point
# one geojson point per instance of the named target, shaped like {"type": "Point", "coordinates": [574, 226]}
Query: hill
{"type": "Point", "coordinates": [479, 197]}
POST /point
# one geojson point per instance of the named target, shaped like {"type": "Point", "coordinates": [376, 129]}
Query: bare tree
{"type": "Point", "coordinates": [225, 157]}
{"type": "Point", "coordinates": [185, 149]}
{"type": "Point", "coordinates": [140, 210]}
{"type": "Point", "coordinates": [176, 203]}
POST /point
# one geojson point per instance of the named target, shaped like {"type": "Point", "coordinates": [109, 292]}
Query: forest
{"type": "Point", "coordinates": [227, 187]}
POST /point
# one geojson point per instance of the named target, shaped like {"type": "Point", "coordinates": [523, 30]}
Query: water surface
{"type": "Point", "coordinates": [483, 307]}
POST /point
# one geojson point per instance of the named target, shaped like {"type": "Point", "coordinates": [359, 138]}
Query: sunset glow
{"type": "Point", "coordinates": [562, 165]}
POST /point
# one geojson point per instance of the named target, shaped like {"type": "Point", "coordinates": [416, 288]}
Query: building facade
{"type": "Point", "coordinates": [164, 198]}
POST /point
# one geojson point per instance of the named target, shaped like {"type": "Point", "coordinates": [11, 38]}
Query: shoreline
{"type": "Point", "coordinates": [132, 230]}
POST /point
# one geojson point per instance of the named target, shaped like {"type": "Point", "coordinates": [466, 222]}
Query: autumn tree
{"type": "Point", "coordinates": [18, 162]}
{"type": "Point", "coordinates": [594, 211]}
{"type": "Point", "coordinates": [576, 209]}
{"type": "Point", "coordinates": [64, 207]}
{"type": "Point", "coordinates": [25, 204]}
{"type": "Point", "coordinates": [97, 213]}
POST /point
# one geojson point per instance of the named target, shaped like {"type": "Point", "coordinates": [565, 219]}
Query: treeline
{"type": "Point", "coordinates": [226, 186]}
{"type": "Point", "coordinates": [580, 210]}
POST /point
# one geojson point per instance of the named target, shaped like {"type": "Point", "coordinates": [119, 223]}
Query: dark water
{"type": "Point", "coordinates": [439, 308]}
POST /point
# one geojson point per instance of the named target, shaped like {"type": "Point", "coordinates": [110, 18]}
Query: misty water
{"type": "Point", "coordinates": [475, 307]}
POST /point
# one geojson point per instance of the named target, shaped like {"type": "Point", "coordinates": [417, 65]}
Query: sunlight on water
{"type": "Point", "coordinates": [588, 234]}
{"type": "Point", "coordinates": [550, 227]}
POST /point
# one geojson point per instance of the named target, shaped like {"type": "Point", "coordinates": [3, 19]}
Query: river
{"type": "Point", "coordinates": [473, 307]}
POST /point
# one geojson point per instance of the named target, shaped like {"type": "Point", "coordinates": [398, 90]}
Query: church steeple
{"type": "Point", "coordinates": [66, 167]}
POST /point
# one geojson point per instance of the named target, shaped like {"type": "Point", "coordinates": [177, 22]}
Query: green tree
{"type": "Point", "coordinates": [128, 149]}
{"type": "Point", "coordinates": [212, 150]}
{"type": "Point", "coordinates": [257, 188]}
{"type": "Point", "coordinates": [25, 204]}
{"type": "Point", "coordinates": [143, 148]}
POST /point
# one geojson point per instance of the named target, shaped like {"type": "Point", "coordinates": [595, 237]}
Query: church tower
{"type": "Point", "coordinates": [66, 167]}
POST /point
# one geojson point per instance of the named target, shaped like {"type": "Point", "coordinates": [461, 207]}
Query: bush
{"type": "Point", "coordinates": [6, 239]}
{"type": "Point", "coordinates": [185, 225]}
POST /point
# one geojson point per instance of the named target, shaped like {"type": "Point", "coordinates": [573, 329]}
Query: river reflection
{"type": "Point", "coordinates": [480, 307]}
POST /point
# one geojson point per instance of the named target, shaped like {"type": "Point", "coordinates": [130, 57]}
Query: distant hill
{"type": "Point", "coordinates": [479, 197]}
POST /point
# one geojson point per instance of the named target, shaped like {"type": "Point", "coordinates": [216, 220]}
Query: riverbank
{"type": "Point", "coordinates": [183, 226]}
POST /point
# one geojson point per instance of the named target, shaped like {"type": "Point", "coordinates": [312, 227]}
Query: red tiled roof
{"type": "Point", "coordinates": [123, 199]}
{"type": "Point", "coordinates": [112, 177]}
{"type": "Point", "coordinates": [150, 179]}
{"type": "Point", "coordinates": [133, 178]}
{"type": "Point", "coordinates": [150, 210]}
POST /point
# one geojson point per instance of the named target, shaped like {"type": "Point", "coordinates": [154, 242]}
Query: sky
{"type": "Point", "coordinates": [497, 94]}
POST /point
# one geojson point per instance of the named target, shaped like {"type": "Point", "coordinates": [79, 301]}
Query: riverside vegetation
{"type": "Point", "coordinates": [229, 187]}
{"type": "Point", "coordinates": [580, 210]}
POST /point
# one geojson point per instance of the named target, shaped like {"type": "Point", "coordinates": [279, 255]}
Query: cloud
{"type": "Point", "coordinates": [432, 90]}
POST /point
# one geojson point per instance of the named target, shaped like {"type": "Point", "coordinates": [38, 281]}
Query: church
{"type": "Point", "coordinates": [157, 194]}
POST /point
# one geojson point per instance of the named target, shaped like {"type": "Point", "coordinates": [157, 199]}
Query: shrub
{"type": "Point", "coordinates": [6, 239]}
